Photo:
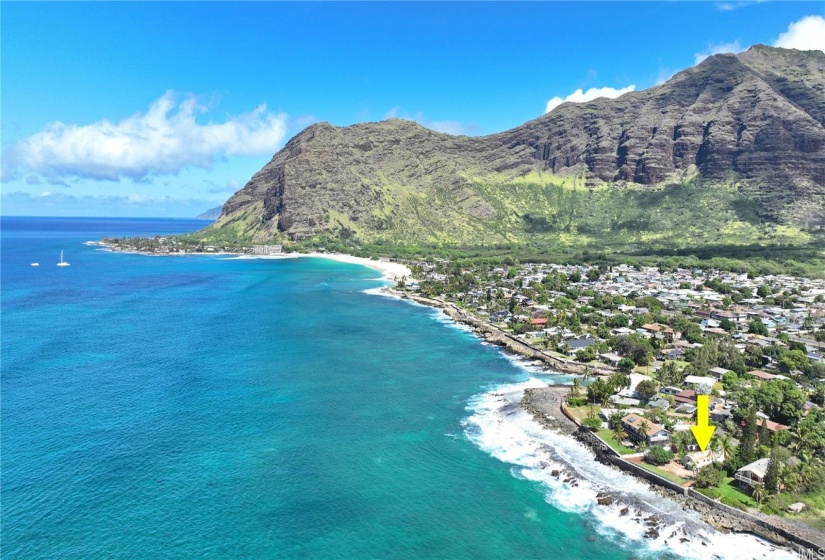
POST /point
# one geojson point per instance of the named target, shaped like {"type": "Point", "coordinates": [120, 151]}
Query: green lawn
{"type": "Point", "coordinates": [663, 473]}
{"type": "Point", "coordinates": [731, 492]}
{"type": "Point", "coordinates": [608, 437]}
{"type": "Point", "coordinates": [580, 412]}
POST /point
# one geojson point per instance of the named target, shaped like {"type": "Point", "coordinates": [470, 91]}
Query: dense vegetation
{"type": "Point", "coordinates": [543, 218]}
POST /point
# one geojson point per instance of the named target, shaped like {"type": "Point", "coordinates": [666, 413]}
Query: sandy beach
{"type": "Point", "coordinates": [390, 270]}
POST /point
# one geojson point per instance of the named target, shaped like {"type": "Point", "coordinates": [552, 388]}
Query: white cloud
{"type": "Point", "coordinates": [580, 96]}
{"type": "Point", "coordinates": [448, 127]}
{"type": "Point", "coordinates": [732, 47]}
{"type": "Point", "coordinates": [807, 34]}
{"type": "Point", "coordinates": [163, 140]}
{"type": "Point", "coordinates": [730, 6]}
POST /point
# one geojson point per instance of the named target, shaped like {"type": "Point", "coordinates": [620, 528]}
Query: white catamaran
{"type": "Point", "coordinates": [62, 262]}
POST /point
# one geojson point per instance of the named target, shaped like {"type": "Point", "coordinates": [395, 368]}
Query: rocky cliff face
{"type": "Point", "coordinates": [757, 118]}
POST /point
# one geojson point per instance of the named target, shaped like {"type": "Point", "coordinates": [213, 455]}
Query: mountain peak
{"type": "Point", "coordinates": [756, 117]}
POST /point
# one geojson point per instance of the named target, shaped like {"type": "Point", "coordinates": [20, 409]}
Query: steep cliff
{"type": "Point", "coordinates": [744, 133]}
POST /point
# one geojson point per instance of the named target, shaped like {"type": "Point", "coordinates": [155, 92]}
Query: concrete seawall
{"type": "Point", "coordinates": [808, 542]}
{"type": "Point", "coordinates": [494, 335]}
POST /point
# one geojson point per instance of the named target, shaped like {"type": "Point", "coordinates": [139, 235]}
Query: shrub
{"type": "Point", "coordinates": [647, 389]}
{"type": "Point", "coordinates": [592, 422]}
{"type": "Point", "coordinates": [709, 477]}
{"type": "Point", "coordinates": [625, 364]}
{"type": "Point", "coordinates": [659, 455]}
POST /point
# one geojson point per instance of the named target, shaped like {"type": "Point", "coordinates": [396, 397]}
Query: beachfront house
{"type": "Point", "coordinates": [574, 346]}
{"type": "Point", "coordinates": [699, 459]}
{"type": "Point", "coordinates": [753, 473]}
{"type": "Point", "coordinates": [640, 429]}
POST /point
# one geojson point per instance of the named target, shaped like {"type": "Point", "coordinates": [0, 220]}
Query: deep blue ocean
{"type": "Point", "coordinates": [211, 407]}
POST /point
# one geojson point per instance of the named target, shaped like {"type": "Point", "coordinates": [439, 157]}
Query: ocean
{"type": "Point", "coordinates": [216, 407]}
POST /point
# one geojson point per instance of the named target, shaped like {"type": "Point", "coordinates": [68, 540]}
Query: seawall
{"type": "Point", "coordinates": [807, 542]}
{"type": "Point", "coordinates": [494, 335]}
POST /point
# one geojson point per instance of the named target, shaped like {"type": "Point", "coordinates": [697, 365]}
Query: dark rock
{"type": "Point", "coordinates": [652, 533]}
{"type": "Point", "coordinates": [604, 499]}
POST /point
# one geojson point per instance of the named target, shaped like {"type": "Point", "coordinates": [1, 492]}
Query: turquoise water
{"type": "Point", "coordinates": [207, 407]}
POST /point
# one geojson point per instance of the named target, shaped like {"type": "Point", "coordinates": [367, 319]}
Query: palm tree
{"type": "Point", "coordinates": [577, 385]}
{"type": "Point", "coordinates": [800, 441]}
{"type": "Point", "coordinates": [787, 479]}
{"type": "Point", "coordinates": [618, 433]}
{"type": "Point", "coordinates": [726, 445]}
{"type": "Point", "coordinates": [759, 493]}
{"type": "Point", "coordinates": [587, 374]}
{"type": "Point", "coordinates": [680, 440]}
{"type": "Point", "coordinates": [642, 431]}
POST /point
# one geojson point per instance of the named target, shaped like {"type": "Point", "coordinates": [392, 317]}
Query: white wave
{"type": "Point", "coordinates": [447, 321]}
{"type": "Point", "coordinates": [501, 428]}
{"type": "Point", "coordinates": [380, 291]}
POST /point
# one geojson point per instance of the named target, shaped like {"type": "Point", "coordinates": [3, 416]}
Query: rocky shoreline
{"type": "Point", "coordinates": [494, 335]}
{"type": "Point", "coordinates": [545, 406]}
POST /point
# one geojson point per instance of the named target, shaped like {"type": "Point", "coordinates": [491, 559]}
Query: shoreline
{"type": "Point", "coordinates": [545, 406]}
{"type": "Point", "coordinates": [393, 271]}
{"type": "Point", "coordinates": [494, 335]}
{"type": "Point", "coordinates": [390, 270]}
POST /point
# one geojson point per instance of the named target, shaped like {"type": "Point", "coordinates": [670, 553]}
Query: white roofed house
{"type": "Point", "coordinates": [697, 460]}
{"type": "Point", "coordinates": [753, 473]}
{"type": "Point", "coordinates": [698, 381]}
{"type": "Point", "coordinates": [718, 372]}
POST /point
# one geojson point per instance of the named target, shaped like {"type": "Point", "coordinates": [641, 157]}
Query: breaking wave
{"type": "Point", "coordinates": [573, 481]}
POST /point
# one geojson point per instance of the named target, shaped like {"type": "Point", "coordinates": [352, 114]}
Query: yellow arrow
{"type": "Point", "coordinates": [702, 432]}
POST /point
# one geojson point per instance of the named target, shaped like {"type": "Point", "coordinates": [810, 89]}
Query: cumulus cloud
{"type": "Point", "coordinates": [720, 48]}
{"type": "Point", "coordinates": [163, 140]}
{"type": "Point", "coordinates": [580, 96]}
{"type": "Point", "coordinates": [807, 34]}
{"type": "Point", "coordinates": [448, 127]}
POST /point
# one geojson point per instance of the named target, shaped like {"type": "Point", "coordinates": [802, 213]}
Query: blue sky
{"type": "Point", "coordinates": [164, 109]}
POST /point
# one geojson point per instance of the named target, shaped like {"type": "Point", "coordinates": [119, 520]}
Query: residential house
{"type": "Point", "coordinates": [718, 372]}
{"type": "Point", "coordinates": [698, 381]}
{"type": "Point", "coordinates": [697, 460]}
{"type": "Point", "coordinates": [688, 396]}
{"type": "Point", "coordinates": [579, 344]}
{"type": "Point", "coordinates": [654, 433]}
{"type": "Point", "coordinates": [763, 375]}
{"type": "Point", "coordinates": [773, 427]}
{"type": "Point", "coordinates": [654, 329]}
{"type": "Point", "coordinates": [753, 473]}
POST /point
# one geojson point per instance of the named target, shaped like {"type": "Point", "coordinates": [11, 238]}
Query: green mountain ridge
{"type": "Point", "coordinates": [730, 152]}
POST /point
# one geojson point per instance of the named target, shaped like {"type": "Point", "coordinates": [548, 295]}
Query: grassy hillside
{"type": "Point", "coordinates": [550, 217]}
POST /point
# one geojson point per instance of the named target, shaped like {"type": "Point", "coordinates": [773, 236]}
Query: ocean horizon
{"type": "Point", "coordinates": [210, 406]}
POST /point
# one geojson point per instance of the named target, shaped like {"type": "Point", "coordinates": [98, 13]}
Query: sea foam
{"type": "Point", "coordinates": [498, 426]}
